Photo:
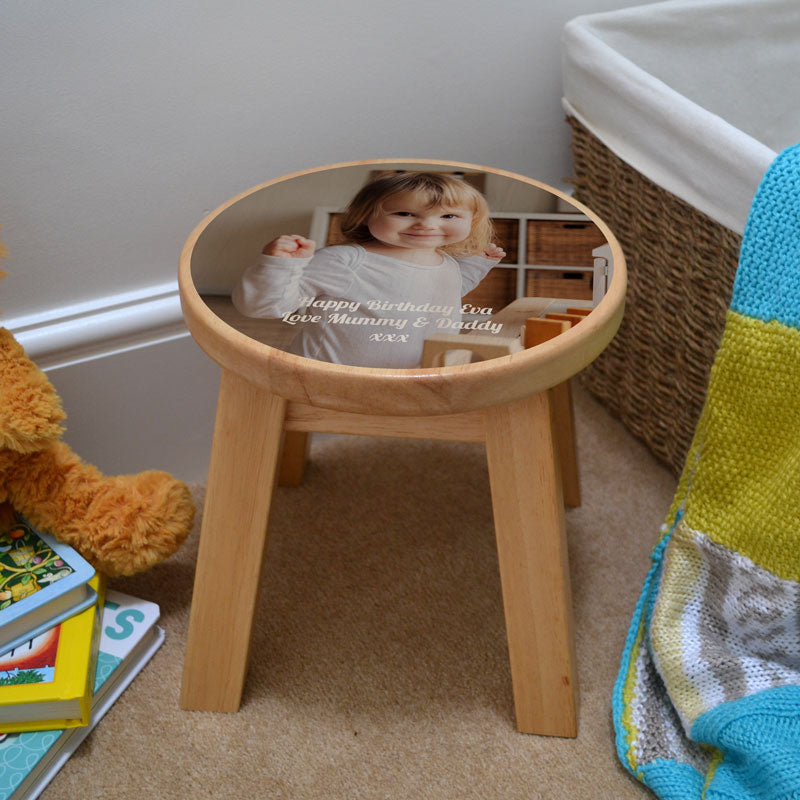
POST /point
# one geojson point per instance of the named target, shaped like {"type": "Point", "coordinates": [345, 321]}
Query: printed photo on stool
{"type": "Point", "coordinates": [401, 265]}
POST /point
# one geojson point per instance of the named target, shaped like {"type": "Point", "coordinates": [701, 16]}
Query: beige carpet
{"type": "Point", "coordinates": [379, 662]}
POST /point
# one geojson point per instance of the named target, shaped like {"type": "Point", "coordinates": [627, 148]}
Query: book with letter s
{"type": "Point", "coordinates": [42, 583]}
{"type": "Point", "coordinates": [129, 637]}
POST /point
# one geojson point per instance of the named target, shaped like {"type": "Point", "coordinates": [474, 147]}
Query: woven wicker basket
{"type": "Point", "coordinates": [562, 242]}
{"type": "Point", "coordinates": [564, 285]}
{"type": "Point", "coordinates": [681, 266]}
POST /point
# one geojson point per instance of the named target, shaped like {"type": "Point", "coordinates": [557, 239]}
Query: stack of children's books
{"type": "Point", "coordinates": [68, 648]}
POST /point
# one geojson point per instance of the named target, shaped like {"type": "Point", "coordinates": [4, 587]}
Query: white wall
{"type": "Point", "coordinates": [125, 123]}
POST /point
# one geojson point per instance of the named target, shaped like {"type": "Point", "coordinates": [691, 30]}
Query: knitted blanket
{"type": "Point", "coordinates": [707, 702]}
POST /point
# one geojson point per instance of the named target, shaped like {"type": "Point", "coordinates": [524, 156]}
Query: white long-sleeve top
{"type": "Point", "coordinates": [363, 309]}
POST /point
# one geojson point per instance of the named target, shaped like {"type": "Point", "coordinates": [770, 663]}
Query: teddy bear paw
{"type": "Point", "coordinates": [134, 522]}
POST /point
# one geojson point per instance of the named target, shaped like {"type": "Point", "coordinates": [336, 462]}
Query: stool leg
{"type": "Point", "coordinates": [537, 331]}
{"type": "Point", "coordinates": [244, 457]}
{"type": "Point", "coordinates": [564, 428]}
{"type": "Point", "coordinates": [534, 571]}
{"type": "Point", "coordinates": [293, 458]}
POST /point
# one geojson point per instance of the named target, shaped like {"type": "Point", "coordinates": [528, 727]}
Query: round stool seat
{"type": "Point", "coordinates": [361, 390]}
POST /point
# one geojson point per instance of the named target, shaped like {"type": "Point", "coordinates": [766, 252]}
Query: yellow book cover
{"type": "Point", "coordinates": [46, 683]}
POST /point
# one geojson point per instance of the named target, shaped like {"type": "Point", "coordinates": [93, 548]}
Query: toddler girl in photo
{"type": "Point", "coordinates": [418, 242]}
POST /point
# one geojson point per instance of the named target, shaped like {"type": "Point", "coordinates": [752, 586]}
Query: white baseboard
{"type": "Point", "coordinates": [101, 328]}
{"type": "Point", "coordinates": [138, 392]}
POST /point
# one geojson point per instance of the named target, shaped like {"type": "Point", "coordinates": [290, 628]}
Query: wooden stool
{"type": "Point", "coordinates": [268, 396]}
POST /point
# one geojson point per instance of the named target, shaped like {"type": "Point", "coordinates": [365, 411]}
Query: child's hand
{"type": "Point", "coordinates": [493, 251]}
{"type": "Point", "coordinates": [290, 246]}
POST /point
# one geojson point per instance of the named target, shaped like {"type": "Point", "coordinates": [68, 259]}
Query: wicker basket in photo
{"type": "Point", "coordinates": [681, 266]}
{"type": "Point", "coordinates": [565, 243]}
{"type": "Point", "coordinates": [554, 283]}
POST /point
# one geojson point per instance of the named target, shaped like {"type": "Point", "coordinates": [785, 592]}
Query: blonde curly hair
{"type": "Point", "coordinates": [437, 191]}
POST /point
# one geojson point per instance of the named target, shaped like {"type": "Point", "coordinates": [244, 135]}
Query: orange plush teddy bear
{"type": "Point", "coordinates": [122, 524]}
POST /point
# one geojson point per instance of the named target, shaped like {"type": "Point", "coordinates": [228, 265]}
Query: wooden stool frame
{"type": "Point", "coordinates": [270, 399]}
